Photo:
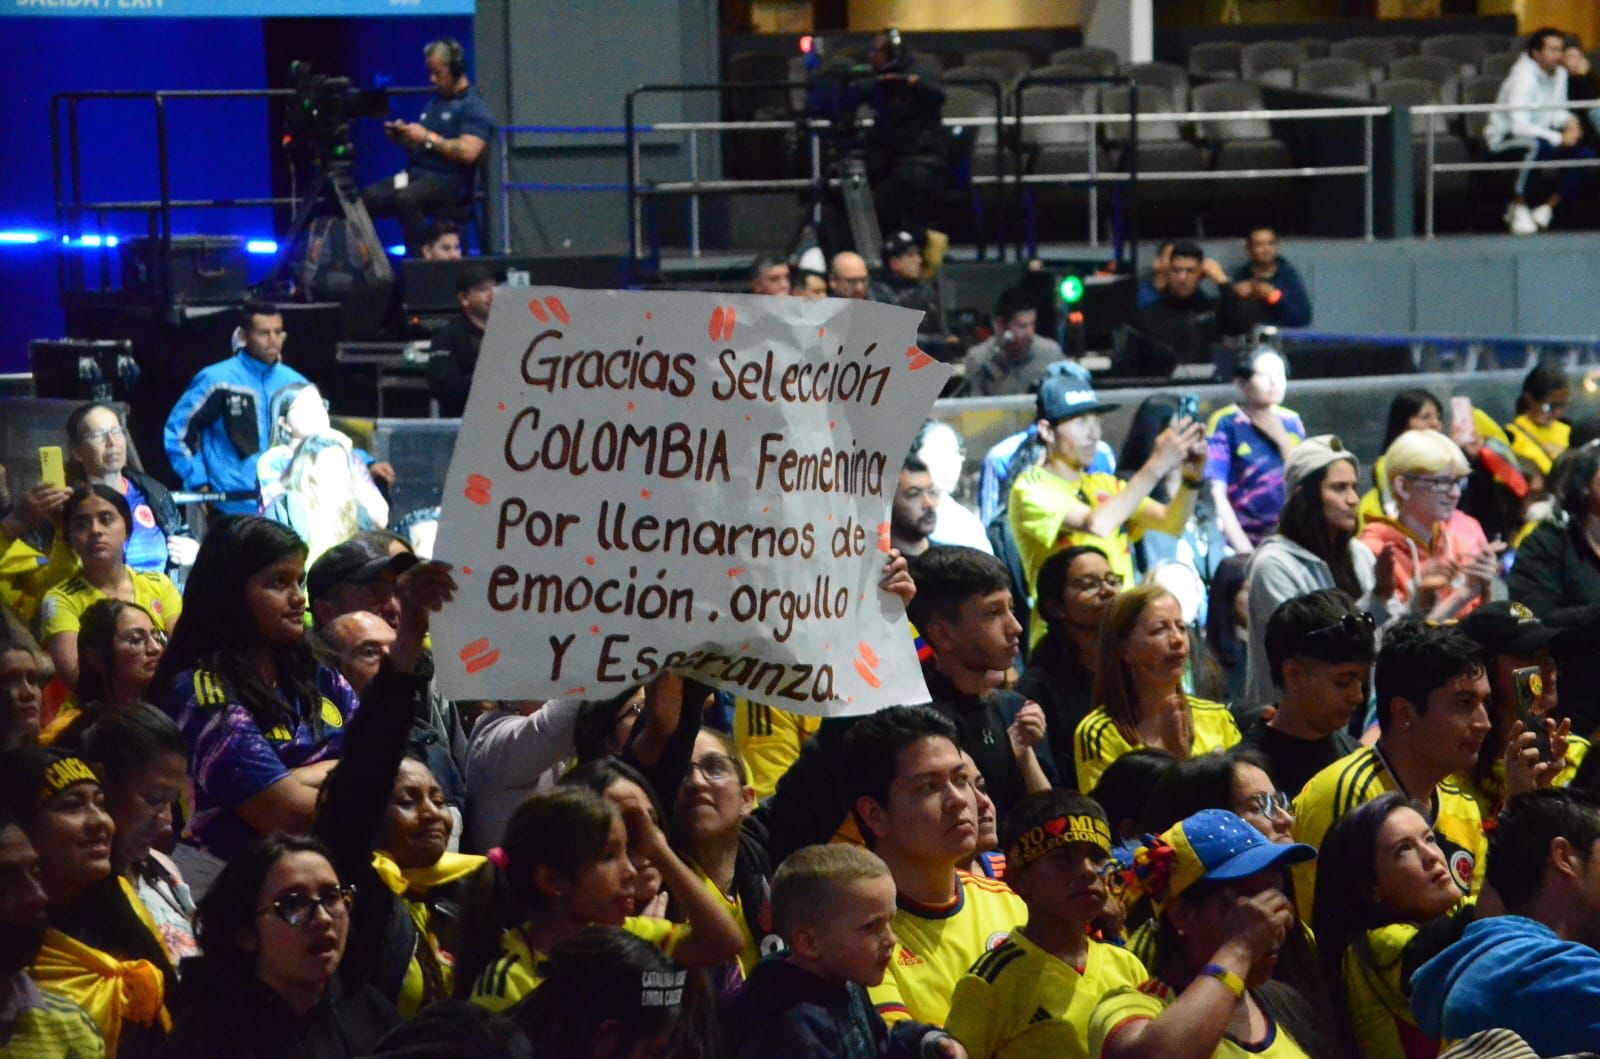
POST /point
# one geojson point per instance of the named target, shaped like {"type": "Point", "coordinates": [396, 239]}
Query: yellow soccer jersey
{"type": "Point", "coordinates": [1149, 1000]}
{"type": "Point", "coordinates": [750, 952]}
{"type": "Point", "coordinates": [64, 605]}
{"type": "Point", "coordinates": [1358, 778]}
{"type": "Point", "coordinates": [1035, 510]}
{"type": "Point", "coordinates": [769, 740]}
{"type": "Point", "coordinates": [937, 946]}
{"type": "Point", "coordinates": [519, 970]}
{"type": "Point", "coordinates": [1098, 742]}
{"type": "Point", "coordinates": [1376, 997]}
{"type": "Point", "coordinates": [1020, 1002]}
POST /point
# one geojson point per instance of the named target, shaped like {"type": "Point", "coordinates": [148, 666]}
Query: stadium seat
{"type": "Point", "coordinates": [1376, 52]}
{"type": "Point", "coordinates": [1058, 99]}
{"type": "Point", "coordinates": [931, 59]}
{"type": "Point", "coordinates": [972, 101]}
{"type": "Point", "coordinates": [1006, 63]}
{"type": "Point", "coordinates": [1217, 59]}
{"type": "Point", "coordinates": [1058, 149]}
{"type": "Point", "coordinates": [1315, 47]}
{"type": "Point", "coordinates": [1174, 79]}
{"type": "Point", "coordinates": [977, 77]}
{"type": "Point", "coordinates": [1240, 144]}
{"type": "Point", "coordinates": [1479, 89]}
{"type": "Point", "coordinates": [1346, 78]}
{"type": "Point", "coordinates": [1271, 62]}
{"type": "Point", "coordinates": [1498, 64]}
{"type": "Point", "coordinates": [1102, 59]}
{"type": "Point", "coordinates": [1467, 49]}
{"type": "Point", "coordinates": [1164, 205]}
{"type": "Point", "coordinates": [1452, 191]}
{"type": "Point", "coordinates": [1062, 69]}
{"type": "Point", "coordinates": [1442, 71]}
{"type": "Point", "coordinates": [1153, 99]}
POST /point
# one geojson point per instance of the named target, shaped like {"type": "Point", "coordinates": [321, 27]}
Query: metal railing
{"type": "Point", "coordinates": [1431, 138]}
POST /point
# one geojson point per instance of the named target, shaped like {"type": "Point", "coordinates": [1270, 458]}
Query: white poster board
{"type": "Point", "coordinates": [694, 482]}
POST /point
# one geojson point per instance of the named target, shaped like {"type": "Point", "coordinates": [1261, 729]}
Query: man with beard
{"type": "Point", "coordinates": [33, 1024]}
{"type": "Point", "coordinates": [913, 513]}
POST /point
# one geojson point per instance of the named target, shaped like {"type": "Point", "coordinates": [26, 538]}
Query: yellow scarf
{"type": "Point", "coordinates": [109, 989]}
{"type": "Point", "coordinates": [412, 885]}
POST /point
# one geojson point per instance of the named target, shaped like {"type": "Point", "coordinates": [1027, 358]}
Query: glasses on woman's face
{"type": "Point", "coordinates": [95, 437]}
{"type": "Point", "coordinates": [1089, 583]}
{"type": "Point", "coordinates": [1438, 484]}
{"type": "Point", "coordinates": [714, 767]}
{"type": "Point", "coordinates": [297, 909]}
{"type": "Point", "coordinates": [1269, 805]}
{"type": "Point", "coordinates": [140, 640]}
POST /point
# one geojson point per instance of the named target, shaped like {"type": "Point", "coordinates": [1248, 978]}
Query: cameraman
{"type": "Point", "coordinates": [442, 148]}
{"type": "Point", "coordinates": [906, 156]}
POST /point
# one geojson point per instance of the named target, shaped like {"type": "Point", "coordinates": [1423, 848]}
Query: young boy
{"type": "Point", "coordinates": [1034, 994]}
{"type": "Point", "coordinates": [833, 905]}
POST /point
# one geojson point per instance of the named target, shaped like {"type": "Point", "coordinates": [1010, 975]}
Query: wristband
{"type": "Point", "coordinates": [1231, 981]}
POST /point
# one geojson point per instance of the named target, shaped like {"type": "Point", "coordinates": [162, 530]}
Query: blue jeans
{"type": "Point", "coordinates": [1569, 181]}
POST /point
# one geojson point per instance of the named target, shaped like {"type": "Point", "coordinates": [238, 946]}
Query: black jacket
{"type": "Point", "coordinates": [253, 1022]}
{"type": "Point", "coordinates": [787, 1013]}
{"type": "Point", "coordinates": [981, 722]}
{"type": "Point", "coordinates": [452, 359]}
{"type": "Point", "coordinates": [1064, 689]}
{"type": "Point", "coordinates": [1170, 332]}
{"type": "Point", "coordinates": [1557, 576]}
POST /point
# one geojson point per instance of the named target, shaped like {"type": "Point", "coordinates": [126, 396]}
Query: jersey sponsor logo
{"type": "Point", "coordinates": [144, 516]}
{"type": "Point", "coordinates": [906, 958]}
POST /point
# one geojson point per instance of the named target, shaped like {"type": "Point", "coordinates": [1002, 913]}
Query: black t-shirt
{"type": "Point", "coordinates": [981, 731]}
{"type": "Point", "coordinates": [1294, 761]}
{"type": "Point", "coordinates": [466, 114]}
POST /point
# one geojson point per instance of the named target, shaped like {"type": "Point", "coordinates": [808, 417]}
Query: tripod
{"type": "Point", "coordinates": [860, 211]}
{"type": "Point", "coordinates": [334, 180]}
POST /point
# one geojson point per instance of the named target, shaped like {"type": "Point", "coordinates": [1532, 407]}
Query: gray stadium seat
{"type": "Point", "coordinates": [1451, 191]}
{"type": "Point", "coordinates": [1063, 69]}
{"type": "Point", "coordinates": [1441, 70]}
{"type": "Point", "coordinates": [1498, 64]}
{"type": "Point", "coordinates": [1174, 79]}
{"type": "Point", "coordinates": [1058, 99]}
{"type": "Point", "coordinates": [1315, 47]}
{"type": "Point", "coordinates": [1240, 144]}
{"type": "Point", "coordinates": [1414, 92]}
{"type": "Point", "coordinates": [1480, 89]}
{"type": "Point", "coordinates": [931, 59]}
{"type": "Point", "coordinates": [1226, 95]}
{"type": "Point", "coordinates": [1375, 52]}
{"type": "Point", "coordinates": [1218, 59]}
{"type": "Point", "coordinates": [1152, 100]}
{"type": "Point", "coordinates": [1102, 59]}
{"type": "Point", "coordinates": [1007, 62]}
{"type": "Point", "coordinates": [1467, 49]}
{"type": "Point", "coordinates": [1346, 78]}
{"type": "Point", "coordinates": [969, 101]}
{"type": "Point", "coordinates": [969, 76]}
{"type": "Point", "coordinates": [1258, 61]}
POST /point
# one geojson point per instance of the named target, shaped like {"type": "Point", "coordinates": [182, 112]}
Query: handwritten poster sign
{"type": "Point", "coordinates": [649, 481]}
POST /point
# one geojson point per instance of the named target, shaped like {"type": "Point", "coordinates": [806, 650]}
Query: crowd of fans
{"type": "Point", "coordinates": [1213, 747]}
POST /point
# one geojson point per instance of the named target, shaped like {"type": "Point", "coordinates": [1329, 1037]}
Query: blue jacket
{"type": "Point", "coordinates": [784, 1012]}
{"type": "Point", "coordinates": [1292, 310]}
{"type": "Point", "coordinates": [220, 425]}
{"type": "Point", "coordinates": [1513, 973]}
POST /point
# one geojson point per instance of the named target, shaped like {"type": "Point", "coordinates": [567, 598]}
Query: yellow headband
{"type": "Point", "coordinates": [1055, 833]}
{"type": "Point", "coordinates": [63, 774]}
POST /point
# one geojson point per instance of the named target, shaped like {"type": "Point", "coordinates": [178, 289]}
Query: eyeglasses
{"type": "Point", "coordinates": [1087, 584]}
{"type": "Point", "coordinates": [97, 436]}
{"type": "Point", "coordinates": [1436, 484]}
{"type": "Point", "coordinates": [139, 640]}
{"type": "Point", "coordinates": [296, 909]}
{"type": "Point", "coordinates": [1268, 804]}
{"type": "Point", "coordinates": [714, 767]}
{"type": "Point", "coordinates": [1351, 625]}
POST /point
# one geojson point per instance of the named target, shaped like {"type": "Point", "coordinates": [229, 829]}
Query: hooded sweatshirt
{"type": "Point", "coordinates": [1513, 973]}
{"type": "Point", "coordinates": [1279, 570]}
{"type": "Point", "coordinates": [1457, 539]}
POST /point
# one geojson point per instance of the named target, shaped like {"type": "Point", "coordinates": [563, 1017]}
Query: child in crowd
{"type": "Point", "coordinates": [1246, 446]}
{"type": "Point", "coordinates": [1034, 994]}
{"type": "Point", "coordinates": [833, 906]}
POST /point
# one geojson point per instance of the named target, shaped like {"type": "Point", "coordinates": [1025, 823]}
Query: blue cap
{"type": "Point", "coordinates": [1228, 848]}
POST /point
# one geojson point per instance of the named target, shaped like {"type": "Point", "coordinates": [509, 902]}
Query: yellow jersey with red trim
{"type": "Point", "coordinates": [769, 740]}
{"type": "Point", "coordinates": [1021, 1002]}
{"type": "Point", "coordinates": [934, 947]}
{"type": "Point", "coordinates": [1149, 999]}
{"type": "Point", "coordinates": [750, 951]}
{"type": "Point", "coordinates": [1358, 778]}
{"type": "Point", "coordinates": [519, 970]}
{"type": "Point", "coordinates": [1098, 741]}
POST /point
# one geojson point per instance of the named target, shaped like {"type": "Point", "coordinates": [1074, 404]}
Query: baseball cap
{"type": "Point", "coordinates": [899, 243]}
{"type": "Point", "coordinates": [355, 562]}
{"type": "Point", "coordinates": [1506, 627]}
{"type": "Point", "coordinates": [1064, 396]}
{"type": "Point", "coordinates": [471, 275]}
{"type": "Point", "coordinates": [1213, 845]}
{"type": "Point", "coordinates": [1311, 456]}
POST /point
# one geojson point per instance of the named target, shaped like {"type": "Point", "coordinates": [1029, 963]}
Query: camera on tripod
{"type": "Point", "coordinates": [322, 108]}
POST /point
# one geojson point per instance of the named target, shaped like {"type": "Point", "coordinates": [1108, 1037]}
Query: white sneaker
{"type": "Point", "coordinates": [1520, 219]}
{"type": "Point", "coordinates": [1542, 215]}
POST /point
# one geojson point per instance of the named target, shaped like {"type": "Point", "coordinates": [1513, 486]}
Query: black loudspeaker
{"type": "Point", "coordinates": [200, 269]}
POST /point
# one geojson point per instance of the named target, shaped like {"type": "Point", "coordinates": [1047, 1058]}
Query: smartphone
{"type": "Point", "coordinates": [1529, 681]}
{"type": "Point", "coordinates": [51, 470]}
{"type": "Point", "coordinates": [1188, 407]}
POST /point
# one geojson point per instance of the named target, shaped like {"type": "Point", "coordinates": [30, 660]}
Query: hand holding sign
{"type": "Point", "coordinates": [648, 482]}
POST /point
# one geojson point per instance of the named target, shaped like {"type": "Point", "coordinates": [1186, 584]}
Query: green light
{"type": "Point", "coordinates": [1071, 290]}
